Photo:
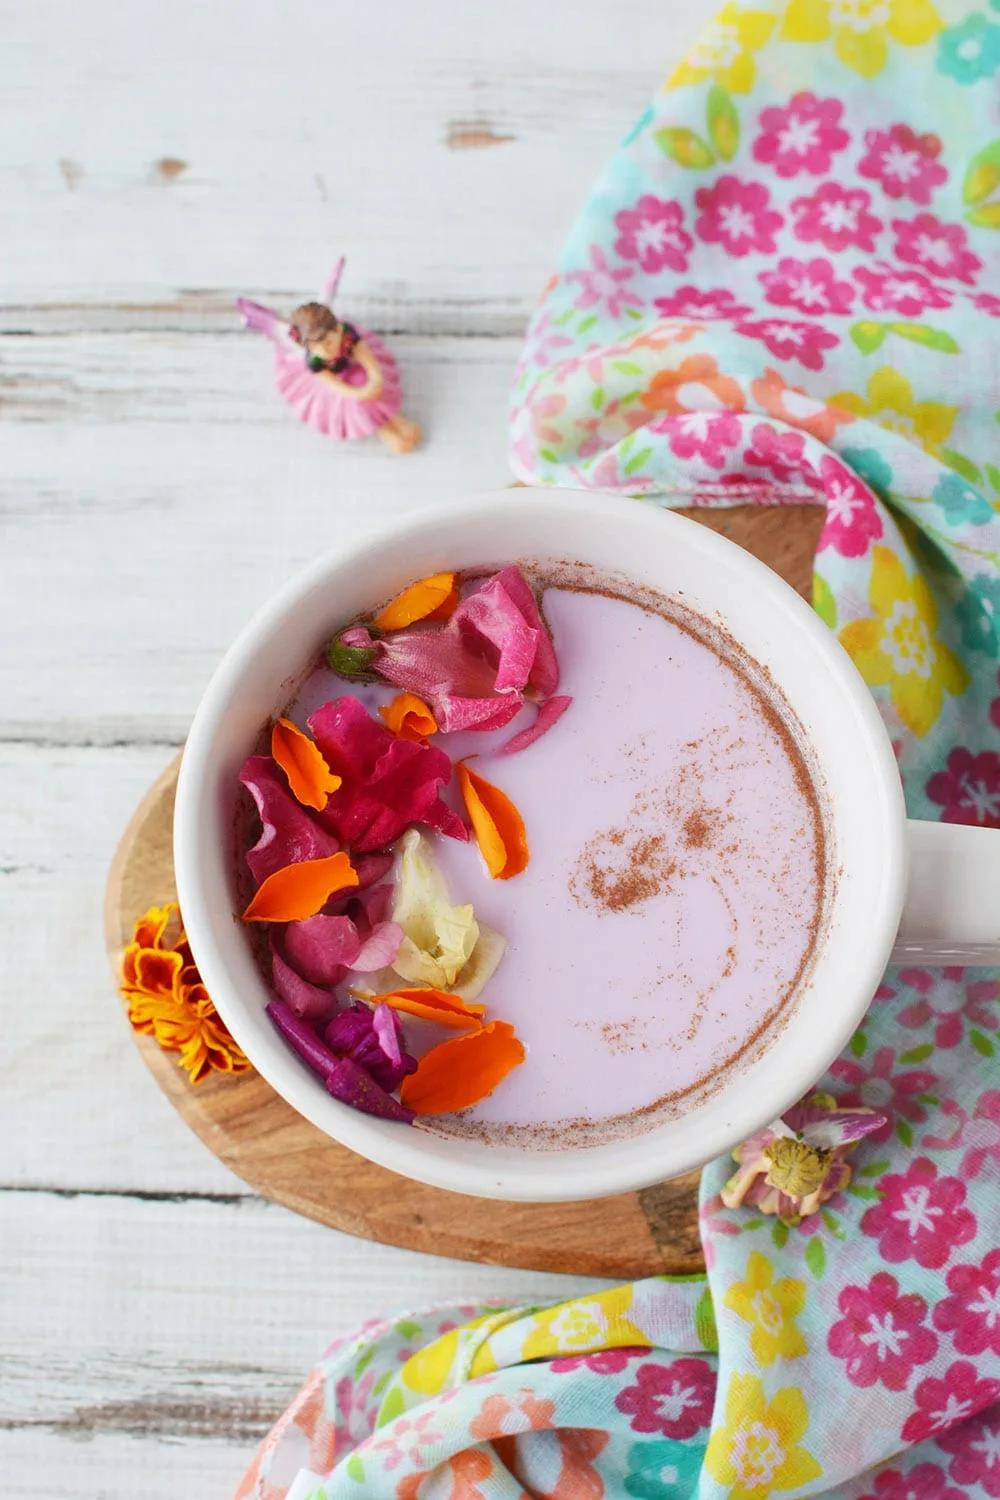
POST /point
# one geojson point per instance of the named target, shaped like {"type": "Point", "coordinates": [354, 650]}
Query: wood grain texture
{"type": "Point", "coordinates": [281, 1155]}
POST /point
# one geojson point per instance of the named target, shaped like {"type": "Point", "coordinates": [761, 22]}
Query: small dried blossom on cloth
{"type": "Point", "coordinates": [797, 1163]}
{"type": "Point", "coordinates": [475, 669]}
{"type": "Point", "coordinates": [167, 1000]}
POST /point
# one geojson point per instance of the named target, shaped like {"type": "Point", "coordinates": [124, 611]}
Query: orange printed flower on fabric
{"type": "Point", "coordinates": [167, 1000]}
{"type": "Point", "coordinates": [409, 718]}
{"type": "Point", "coordinates": [696, 385]}
{"type": "Point", "coordinates": [791, 404]}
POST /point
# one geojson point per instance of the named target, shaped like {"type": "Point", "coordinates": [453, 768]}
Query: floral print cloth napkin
{"type": "Point", "coordinates": [785, 289]}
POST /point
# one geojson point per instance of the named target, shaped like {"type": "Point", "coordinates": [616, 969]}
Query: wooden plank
{"type": "Point", "coordinates": [171, 1335]}
{"type": "Point", "coordinates": [171, 155]}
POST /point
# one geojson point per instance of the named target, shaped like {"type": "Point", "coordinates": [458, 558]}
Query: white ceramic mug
{"type": "Point", "coordinates": [926, 892]}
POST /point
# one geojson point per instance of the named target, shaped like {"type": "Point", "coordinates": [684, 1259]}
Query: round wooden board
{"type": "Point", "coordinates": [279, 1154]}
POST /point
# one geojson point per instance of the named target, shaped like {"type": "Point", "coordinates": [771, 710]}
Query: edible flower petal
{"type": "Point", "coordinates": [374, 1041]}
{"type": "Point", "coordinates": [289, 834]}
{"type": "Point", "coordinates": [473, 671]}
{"type": "Point", "coordinates": [300, 890]}
{"type": "Point", "coordinates": [310, 1001]}
{"type": "Point", "coordinates": [353, 1085]}
{"type": "Point", "coordinates": [387, 783]}
{"type": "Point", "coordinates": [438, 938]}
{"type": "Point", "coordinates": [796, 1164]}
{"type": "Point", "coordinates": [167, 1000]}
{"type": "Point", "coordinates": [497, 824]}
{"type": "Point", "coordinates": [433, 1005]}
{"type": "Point", "coordinates": [309, 776]}
{"type": "Point", "coordinates": [420, 601]}
{"type": "Point", "coordinates": [322, 948]}
{"type": "Point", "coordinates": [409, 718]}
{"type": "Point", "coordinates": [461, 1072]}
{"type": "Point", "coordinates": [549, 713]}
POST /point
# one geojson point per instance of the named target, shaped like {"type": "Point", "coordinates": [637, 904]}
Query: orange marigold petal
{"type": "Point", "coordinates": [447, 608]}
{"type": "Point", "coordinates": [418, 602]}
{"type": "Point", "coordinates": [301, 759]}
{"type": "Point", "coordinates": [432, 1005]}
{"type": "Point", "coordinates": [459, 1073]}
{"type": "Point", "coordinates": [301, 890]}
{"type": "Point", "coordinates": [409, 718]}
{"type": "Point", "coordinates": [497, 824]}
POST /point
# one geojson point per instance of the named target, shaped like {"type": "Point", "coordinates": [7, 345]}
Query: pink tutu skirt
{"type": "Point", "coordinates": [315, 401]}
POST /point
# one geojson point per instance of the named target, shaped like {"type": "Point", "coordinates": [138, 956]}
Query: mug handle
{"type": "Point", "coordinates": [951, 914]}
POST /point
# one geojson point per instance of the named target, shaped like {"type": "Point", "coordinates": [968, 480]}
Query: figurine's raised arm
{"type": "Point", "coordinates": [260, 319]}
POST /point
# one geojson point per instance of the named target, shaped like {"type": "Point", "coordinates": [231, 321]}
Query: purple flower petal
{"type": "Point", "coordinates": [349, 1083]}
{"type": "Point", "coordinates": [302, 1039]}
{"type": "Point", "coordinates": [322, 949]}
{"type": "Point", "coordinates": [352, 1033]}
{"type": "Point", "coordinates": [385, 1024]}
{"type": "Point", "coordinates": [305, 999]}
{"type": "Point", "coordinates": [549, 713]}
{"type": "Point", "coordinates": [378, 949]}
{"type": "Point", "coordinates": [841, 1128]}
{"type": "Point", "coordinates": [289, 834]}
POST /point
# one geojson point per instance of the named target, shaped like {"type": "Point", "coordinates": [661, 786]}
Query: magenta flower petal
{"type": "Point", "coordinates": [352, 1085]}
{"type": "Point", "coordinates": [549, 713]}
{"type": "Point", "coordinates": [379, 948]}
{"type": "Point", "coordinates": [387, 783]}
{"type": "Point", "coordinates": [840, 1128]}
{"type": "Point", "coordinates": [302, 1039]}
{"type": "Point", "coordinates": [369, 869]}
{"type": "Point", "coordinates": [544, 674]}
{"type": "Point", "coordinates": [289, 834]}
{"type": "Point", "coordinates": [492, 614]}
{"type": "Point", "coordinates": [321, 948]}
{"type": "Point", "coordinates": [307, 1000]}
{"type": "Point", "coordinates": [374, 904]}
{"type": "Point", "coordinates": [385, 1024]}
{"type": "Point", "coordinates": [352, 1033]}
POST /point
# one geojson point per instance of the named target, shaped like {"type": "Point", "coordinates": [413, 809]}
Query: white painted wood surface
{"type": "Point", "coordinates": [159, 158]}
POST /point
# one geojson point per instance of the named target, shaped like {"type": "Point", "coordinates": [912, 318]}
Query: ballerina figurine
{"type": "Point", "coordinates": [339, 379]}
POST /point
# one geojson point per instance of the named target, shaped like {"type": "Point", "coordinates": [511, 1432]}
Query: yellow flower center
{"type": "Point", "coordinates": [718, 48]}
{"type": "Point", "coordinates": [859, 15]}
{"type": "Point", "coordinates": [795, 1168]}
{"type": "Point", "coordinates": [756, 1455]}
{"type": "Point", "coordinates": [769, 1314]}
{"type": "Point", "coordinates": [907, 642]}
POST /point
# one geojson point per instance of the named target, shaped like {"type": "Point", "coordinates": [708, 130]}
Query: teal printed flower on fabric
{"type": "Point", "coordinates": [662, 1470]}
{"type": "Point", "coordinates": [872, 467]}
{"type": "Point", "coordinates": [977, 613]}
{"type": "Point", "coordinates": [961, 501]}
{"type": "Point", "coordinates": [970, 51]}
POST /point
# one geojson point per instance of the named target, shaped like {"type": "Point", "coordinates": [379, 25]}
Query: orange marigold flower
{"type": "Point", "coordinates": [167, 1000]}
{"type": "Point", "coordinates": [696, 385]}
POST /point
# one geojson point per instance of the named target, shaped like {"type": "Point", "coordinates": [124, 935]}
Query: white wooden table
{"type": "Point", "coordinates": [157, 159]}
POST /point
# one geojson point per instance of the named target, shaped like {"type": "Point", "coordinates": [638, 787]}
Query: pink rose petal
{"type": "Point", "coordinates": [545, 668]}
{"type": "Point", "coordinates": [386, 1026]}
{"type": "Point", "coordinates": [307, 1000]}
{"type": "Point", "coordinates": [321, 949]}
{"type": "Point", "coordinates": [379, 949]}
{"type": "Point", "coordinates": [289, 834]}
{"type": "Point", "coordinates": [549, 713]}
{"type": "Point", "coordinates": [492, 614]}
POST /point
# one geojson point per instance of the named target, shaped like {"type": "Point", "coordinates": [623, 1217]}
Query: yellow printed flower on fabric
{"type": "Point", "coordinates": [890, 403]}
{"type": "Point", "coordinates": [770, 1307]}
{"type": "Point", "coordinates": [584, 1325]}
{"type": "Point", "coordinates": [723, 51]}
{"type": "Point", "coordinates": [862, 29]}
{"type": "Point", "coordinates": [756, 1453]}
{"type": "Point", "coordinates": [898, 648]}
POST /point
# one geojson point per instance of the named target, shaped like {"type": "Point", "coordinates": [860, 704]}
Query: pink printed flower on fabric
{"type": "Point", "coordinates": [700, 434]}
{"type": "Point", "coordinates": [886, 288]}
{"type": "Point", "coordinates": [921, 1216]}
{"type": "Point", "coordinates": [904, 164]}
{"type": "Point", "coordinates": [941, 249]}
{"type": "Point", "coordinates": [690, 302]}
{"type": "Point", "coordinates": [971, 1314]}
{"type": "Point", "coordinates": [987, 303]}
{"type": "Point", "coordinates": [810, 286]}
{"type": "Point", "coordinates": [969, 789]}
{"type": "Point", "coordinates": [978, 1135]}
{"type": "Point", "coordinates": [738, 216]}
{"type": "Point", "coordinates": [880, 1086]}
{"type": "Point", "coordinates": [675, 1400]}
{"type": "Point", "coordinates": [945, 1000]}
{"type": "Point", "coordinates": [783, 454]}
{"type": "Point", "coordinates": [604, 1362]}
{"type": "Point", "coordinates": [544, 341]}
{"type": "Point", "coordinates": [803, 137]}
{"type": "Point", "coordinates": [922, 1482]}
{"type": "Point", "coordinates": [882, 1336]}
{"type": "Point", "coordinates": [975, 1446]}
{"type": "Point", "coordinates": [838, 217]}
{"type": "Point", "coordinates": [653, 234]}
{"type": "Point", "coordinates": [852, 519]}
{"type": "Point", "coordinates": [476, 669]}
{"type": "Point", "coordinates": [942, 1404]}
{"type": "Point", "coordinates": [387, 783]}
{"type": "Point", "coordinates": [603, 286]}
{"type": "Point", "coordinates": [803, 342]}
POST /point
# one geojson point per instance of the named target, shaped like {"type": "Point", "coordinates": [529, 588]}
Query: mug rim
{"type": "Point", "coordinates": [635, 1161]}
